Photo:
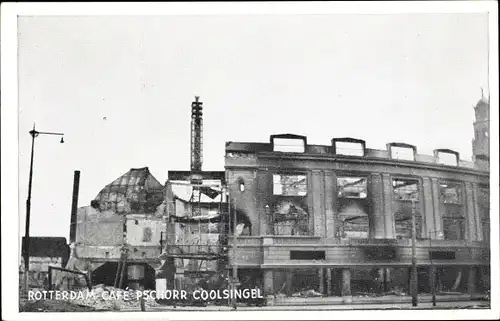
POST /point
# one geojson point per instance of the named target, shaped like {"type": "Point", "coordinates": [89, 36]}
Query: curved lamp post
{"type": "Point", "coordinates": [34, 133]}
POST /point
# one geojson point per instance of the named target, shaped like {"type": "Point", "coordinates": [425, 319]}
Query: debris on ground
{"type": "Point", "coordinates": [52, 306]}
{"type": "Point", "coordinates": [307, 294]}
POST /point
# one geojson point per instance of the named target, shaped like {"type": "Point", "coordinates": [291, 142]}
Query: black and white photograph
{"type": "Point", "coordinates": [252, 160]}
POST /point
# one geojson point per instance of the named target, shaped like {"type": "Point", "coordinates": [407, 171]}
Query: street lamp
{"type": "Point", "coordinates": [34, 133]}
{"type": "Point", "coordinates": [433, 274]}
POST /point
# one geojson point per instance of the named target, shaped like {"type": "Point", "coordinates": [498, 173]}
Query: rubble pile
{"type": "Point", "coordinates": [307, 294]}
{"type": "Point", "coordinates": [109, 298]}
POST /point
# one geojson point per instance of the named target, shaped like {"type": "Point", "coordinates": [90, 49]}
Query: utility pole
{"type": "Point", "coordinates": [414, 277]}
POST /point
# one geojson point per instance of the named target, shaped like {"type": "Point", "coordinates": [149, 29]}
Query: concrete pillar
{"type": "Point", "coordinates": [470, 213]}
{"type": "Point", "coordinates": [330, 198]}
{"type": "Point", "coordinates": [428, 209]}
{"type": "Point", "coordinates": [321, 275]}
{"type": "Point", "coordinates": [479, 227]}
{"type": "Point", "coordinates": [268, 282]}
{"type": "Point", "coordinates": [346, 285]}
{"type": "Point", "coordinates": [377, 198]}
{"type": "Point", "coordinates": [471, 279]}
{"type": "Point", "coordinates": [437, 208]}
{"type": "Point", "coordinates": [263, 186]}
{"type": "Point", "coordinates": [390, 227]}
{"type": "Point", "coordinates": [318, 213]}
{"type": "Point", "coordinates": [328, 281]}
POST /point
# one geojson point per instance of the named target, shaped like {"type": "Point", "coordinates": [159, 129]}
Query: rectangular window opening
{"type": "Point", "coordinates": [450, 193]}
{"type": "Point", "coordinates": [352, 187]}
{"type": "Point", "coordinates": [348, 148]}
{"type": "Point", "coordinates": [289, 185]}
{"type": "Point", "coordinates": [288, 145]}
{"type": "Point", "coordinates": [406, 197]}
{"type": "Point", "coordinates": [447, 159]}
{"type": "Point", "coordinates": [442, 255]}
{"type": "Point", "coordinates": [307, 255]}
{"type": "Point", "coordinates": [403, 153]}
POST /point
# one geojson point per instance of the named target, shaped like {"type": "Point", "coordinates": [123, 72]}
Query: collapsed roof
{"type": "Point", "coordinates": [135, 192]}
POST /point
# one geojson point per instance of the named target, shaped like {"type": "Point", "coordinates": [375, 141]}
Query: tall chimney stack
{"type": "Point", "coordinates": [74, 207]}
{"type": "Point", "coordinates": [196, 135]}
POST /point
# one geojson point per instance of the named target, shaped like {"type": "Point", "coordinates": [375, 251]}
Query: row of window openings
{"type": "Point", "coordinates": [354, 217]}
{"type": "Point", "coordinates": [356, 187]}
{"type": "Point", "coordinates": [357, 149]}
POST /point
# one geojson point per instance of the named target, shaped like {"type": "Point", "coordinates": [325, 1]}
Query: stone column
{"type": "Point", "coordinates": [268, 282]}
{"type": "Point", "coordinates": [289, 282]}
{"type": "Point", "coordinates": [471, 280]}
{"type": "Point", "coordinates": [428, 212]}
{"type": "Point", "coordinates": [470, 213]}
{"type": "Point", "coordinates": [330, 208]}
{"type": "Point", "coordinates": [390, 228]}
{"type": "Point", "coordinates": [328, 281]}
{"type": "Point", "coordinates": [346, 285]}
{"type": "Point", "coordinates": [263, 189]}
{"type": "Point", "coordinates": [321, 275]}
{"type": "Point", "coordinates": [437, 208]}
{"type": "Point", "coordinates": [377, 198]}
{"type": "Point", "coordinates": [318, 213]}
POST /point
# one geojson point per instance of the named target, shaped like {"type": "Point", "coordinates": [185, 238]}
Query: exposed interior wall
{"type": "Point", "coordinates": [98, 228]}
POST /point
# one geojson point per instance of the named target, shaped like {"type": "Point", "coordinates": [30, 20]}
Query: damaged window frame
{"type": "Point", "coordinates": [457, 219]}
{"type": "Point", "coordinates": [362, 202]}
{"type": "Point", "coordinates": [298, 225]}
{"type": "Point", "coordinates": [484, 211]}
{"type": "Point", "coordinates": [398, 203]}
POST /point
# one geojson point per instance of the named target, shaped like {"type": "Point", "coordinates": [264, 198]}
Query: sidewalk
{"type": "Point", "coordinates": [393, 306]}
{"type": "Point", "coordinates": [388, 299]}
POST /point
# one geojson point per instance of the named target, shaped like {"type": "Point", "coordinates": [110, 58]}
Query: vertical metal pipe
{"type": "Point", "coordinates": [433, 273]}
{"type": "Point", "coordinates": [74, 207]}
{"type": "Point", "coordinates": [414, 279]}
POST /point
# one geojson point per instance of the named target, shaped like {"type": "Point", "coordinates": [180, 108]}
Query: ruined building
{"type": "Point", "coordinates": [289, 216]}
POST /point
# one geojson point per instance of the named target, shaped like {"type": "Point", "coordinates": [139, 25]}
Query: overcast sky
{"type": "Point", "coordinates": [120, 88]}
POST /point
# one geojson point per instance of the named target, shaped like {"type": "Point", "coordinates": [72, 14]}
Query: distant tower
{"type": "Point", "coordinates": [196, 135]}
{"type": "Point", "coordinates": [481, 141]}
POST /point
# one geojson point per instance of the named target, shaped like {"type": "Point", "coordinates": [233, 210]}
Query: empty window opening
{"type": "Point", "coordinates": [241, 185]}
{"type": "Point", "coordinates": [351, 187]}
{"type": "Point", "coordinates": [403, 153]}
{"type": "Point", "coordinates": [289, 215]}
{"type": "Point", "coordinates": [450, 193]}
{"type": "Point", "coordinates": [447, 159]}
{"type": "Point", "coordinates": [406, 203]}
{"type": "Point", "coordinates": [348, 148]}
{"type": "Point", "coordinates": [405, 189]}
{"type": "Point", "coordinates": [352, 207]}
{"type": "Point", "coordinates": [452, 210]}
{"type": "Point", "coordinates": [290, 218]}
{"type": "Point", "coordinates": [289, 185]}
{"type": "Point", "coordinates": [288, 145]}
{"type": "Point", "coordinates": [307, 255]}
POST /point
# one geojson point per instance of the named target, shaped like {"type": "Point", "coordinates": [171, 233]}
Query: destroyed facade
{"type": "Point", "coordinates": [291, 217]}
